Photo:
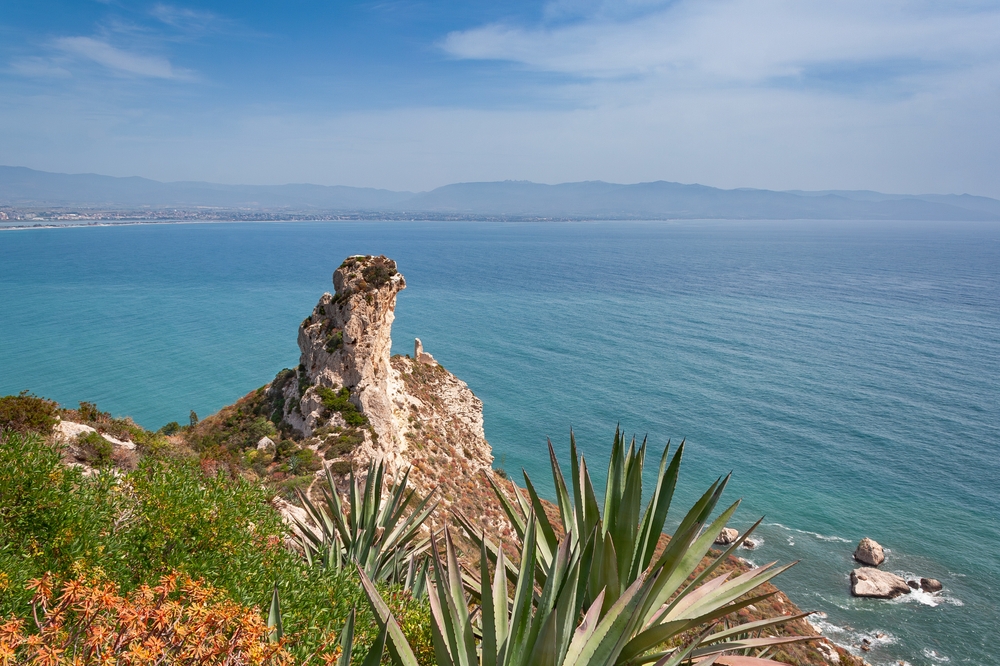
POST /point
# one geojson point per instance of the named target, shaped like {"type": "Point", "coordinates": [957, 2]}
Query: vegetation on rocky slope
{"type": "Point", "coordinates": [200, 515]}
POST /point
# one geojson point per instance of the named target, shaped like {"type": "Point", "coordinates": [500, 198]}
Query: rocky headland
{"type": "Point", "coordinates": [350, 402]}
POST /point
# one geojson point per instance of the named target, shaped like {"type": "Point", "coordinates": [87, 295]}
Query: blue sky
{"type": "Point", "coordinates": [900, 96]}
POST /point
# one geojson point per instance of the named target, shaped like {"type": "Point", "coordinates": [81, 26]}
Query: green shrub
{"type": "Point", "coordinates": [96, 450]}
{"type": "Point", "coordinates": [171, 428]}
{"type": "Point", "coordinates": [51, 517]}
{"type": "Point", "coordinates": [340, 402]}
{"type": "Point", "coordinates": [379, 272]}
{"type": "Point", "coordinates": [28, 413]}
{"type": "Point", "coordinates": [334, 342]}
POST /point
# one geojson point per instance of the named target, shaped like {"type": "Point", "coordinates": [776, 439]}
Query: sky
{"type": "Point", "coordinates": [890, 95]}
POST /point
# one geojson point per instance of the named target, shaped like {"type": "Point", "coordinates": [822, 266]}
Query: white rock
{"type": "Point", "coordinates": [68, 431]}
{"type": "Point", "coordinates": [871, 582]}
{"type": "Point", "coordinates": [264, 443]}
{"type": "Point", "coordinates": [726, 536]}
{"type": "Point", "coordinates": [869, 552]}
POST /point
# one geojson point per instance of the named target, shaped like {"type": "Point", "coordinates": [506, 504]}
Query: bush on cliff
{"type": "Point", "coordinates": [28, 413]}
{"type": "Point", "coordinates": [168, 516]}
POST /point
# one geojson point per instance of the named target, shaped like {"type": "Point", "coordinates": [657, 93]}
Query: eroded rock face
{"type": "Point", "coordinates": [871, 582]}
{"type": "Point", "coordinates": [869, 552]}
{"type": "Point", "coordinates": [415, 413]}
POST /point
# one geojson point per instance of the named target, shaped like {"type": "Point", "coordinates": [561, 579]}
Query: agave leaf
{"type": "Point", "coordinates": [274, 617]}
{"type": "Point", "coordinates": [683, 561]}
{"type": "Point", "coordinates": [523, 597]}
{"type": "Point", "coordinates": [657, 509]}
{"type": "Point", "coordinates": [752, 626]}
{"type": "Point", "coordinates": [736, 588]}
{"type": "Point", "coordinates": [399, 649]}
{"type": "Point", "coordinates": [374, 656]}
{"type": "Point", "coordinates": [749, 643]}
{"type": "Point", "coordinates": [513, 515]}
{"type": "Point", "coordinates": [583, 633]}
{"type": "Point", "coordinates": [548, 543]}
{"type": "Point", "coordinates": [566, 509]}
{"type": "Point", "coordinates": [347, 641]}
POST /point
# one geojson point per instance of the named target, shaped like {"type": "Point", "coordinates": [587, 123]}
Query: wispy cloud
{"type": "Point", "coordinates": [119, 60]}
{"type": "Point", "coordinates": [35, 67]}
{"type": "Point", "coordinates": [743, 42]}
{"type": "Point", "coordinates": [184, 19]}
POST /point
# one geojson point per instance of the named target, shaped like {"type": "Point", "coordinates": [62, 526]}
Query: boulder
{"type": "Point", "coordinates": [750, 544]}
{"type": "Point", "coordinates": [869, 552]}
{"type": "Point", "coordinates": [265, 443]}
{"type": "Point", "coordinates": [914, 585]}
{"type": "Point", "coordinates": [931, 585]}
{"type": "Point", "coordinates": [870, 582]}
{"type": "Point", "coordinates": [727, 536]}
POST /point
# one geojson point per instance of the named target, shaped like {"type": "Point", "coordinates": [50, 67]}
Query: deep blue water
{"type": "Point", "coordinates": [848, 373]}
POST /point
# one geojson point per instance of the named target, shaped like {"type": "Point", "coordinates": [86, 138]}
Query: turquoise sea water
{"type": "Point", "coordinates": [848, 373]}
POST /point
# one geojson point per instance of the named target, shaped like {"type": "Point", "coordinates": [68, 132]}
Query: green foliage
{"type": "Point", "coordinates": [377, 533]}
{"type": "Point", "coordinates": [192, 419]}
{"type": "Point", "coordinates": [226, 435]}
{"type": "Point", "coordinates": [51, 517]}
{"type": "Point", "coordinates": [169, 515]}
{"type": "Point", "coordinates": [96, 450]}
{"type": "Point", "coordinates": [171, 428]}
{"type": "Point", "coordinates": [636, 607]}
{"type": "Point", "coordinates": [378, 272]}
{"type": "Point", "coordinates": [335, 341]}
{"type": "Point", "coordinates": [340, 401]}
{"type": "Point", "coordinates": [27, 413]}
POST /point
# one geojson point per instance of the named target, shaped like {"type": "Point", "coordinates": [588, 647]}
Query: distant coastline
{"type": "Point", "coordinates": [38, 196]}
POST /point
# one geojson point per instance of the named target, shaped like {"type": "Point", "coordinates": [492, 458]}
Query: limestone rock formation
{"type": "Point", "coordinates": [727, 536]}
{"type": "Point", "coordinates": [931, 585]}
{"type": "Point", "coordinates": [420, 355]}
{"type": "Point", "coordinates": [407, 412]}
{"type": "Point", "coordinates": [871, 582]}
{"type": "Point", "coordinates": [869, 552]}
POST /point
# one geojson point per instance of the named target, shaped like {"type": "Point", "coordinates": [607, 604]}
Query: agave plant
{"type": "Point", "coordinates": [599, 594]}
{"type": "Point", "coordinates": [378, 531]}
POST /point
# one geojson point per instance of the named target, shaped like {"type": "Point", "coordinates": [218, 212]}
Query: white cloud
{"type": "Point", "coordinates": [182, 18]}
{"type": "Point", "coordinates": [38, 68]}
{"type": "Point", "coordinates": [711, 42]}
{"type": "Point", "coordinates": [119, 60]}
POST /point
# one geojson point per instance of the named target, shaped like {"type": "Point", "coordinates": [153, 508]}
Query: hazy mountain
{"type": "Point", "coordinates": [26, 187]}
{"type": "Point", "coordinates": [20, 186]}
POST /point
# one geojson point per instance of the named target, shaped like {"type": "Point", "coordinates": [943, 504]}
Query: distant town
{"type": "Point", "coordinates": [21, 218]}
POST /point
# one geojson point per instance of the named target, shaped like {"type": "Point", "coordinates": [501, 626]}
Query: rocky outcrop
{"type": "Point", "coordinates": [404, 411]}
{"type": "Point", "coordinates": [869, 552]}
{"type": "Point", "coordinates": [726, 536]}
{"type": "Point", "coordinates": [931, 585]}
{"type": "Point", "coordinates": [871, 582]}
{"type": "Point", "coordinates": [420, 356]}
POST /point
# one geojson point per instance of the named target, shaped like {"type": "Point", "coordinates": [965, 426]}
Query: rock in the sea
{"type": "Point", "coordinates": [726, 536]}
{"type": "Point", "coordinates": [869, 552]}
{"type": "Point", "coordinates": [750, 544]}
{"type": "Point", "coordinates": [931, 585]}
{"type": "Point", "coordinates": [870, 582]}
{"type": "Point", "coordinates": [914, 585]}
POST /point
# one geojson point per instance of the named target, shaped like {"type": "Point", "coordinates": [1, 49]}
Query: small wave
{"type": "Point", "coordinates": [851, 640]}
{"type": "Point", "coordinates": [919, 596]}
{"type": "Point", "coordinates": [817, 535]}
{"type": "Point", "coordinates": [935, 655]}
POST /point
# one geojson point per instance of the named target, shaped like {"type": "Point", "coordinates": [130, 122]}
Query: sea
{"type": "Point", "coordinates": [846, 373]}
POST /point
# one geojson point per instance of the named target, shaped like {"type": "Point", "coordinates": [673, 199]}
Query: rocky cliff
{"type": "Point", "coordinates": [352, 402]}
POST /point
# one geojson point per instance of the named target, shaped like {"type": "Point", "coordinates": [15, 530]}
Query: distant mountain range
{"type": "Point", "coordinates": [28, 188]}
